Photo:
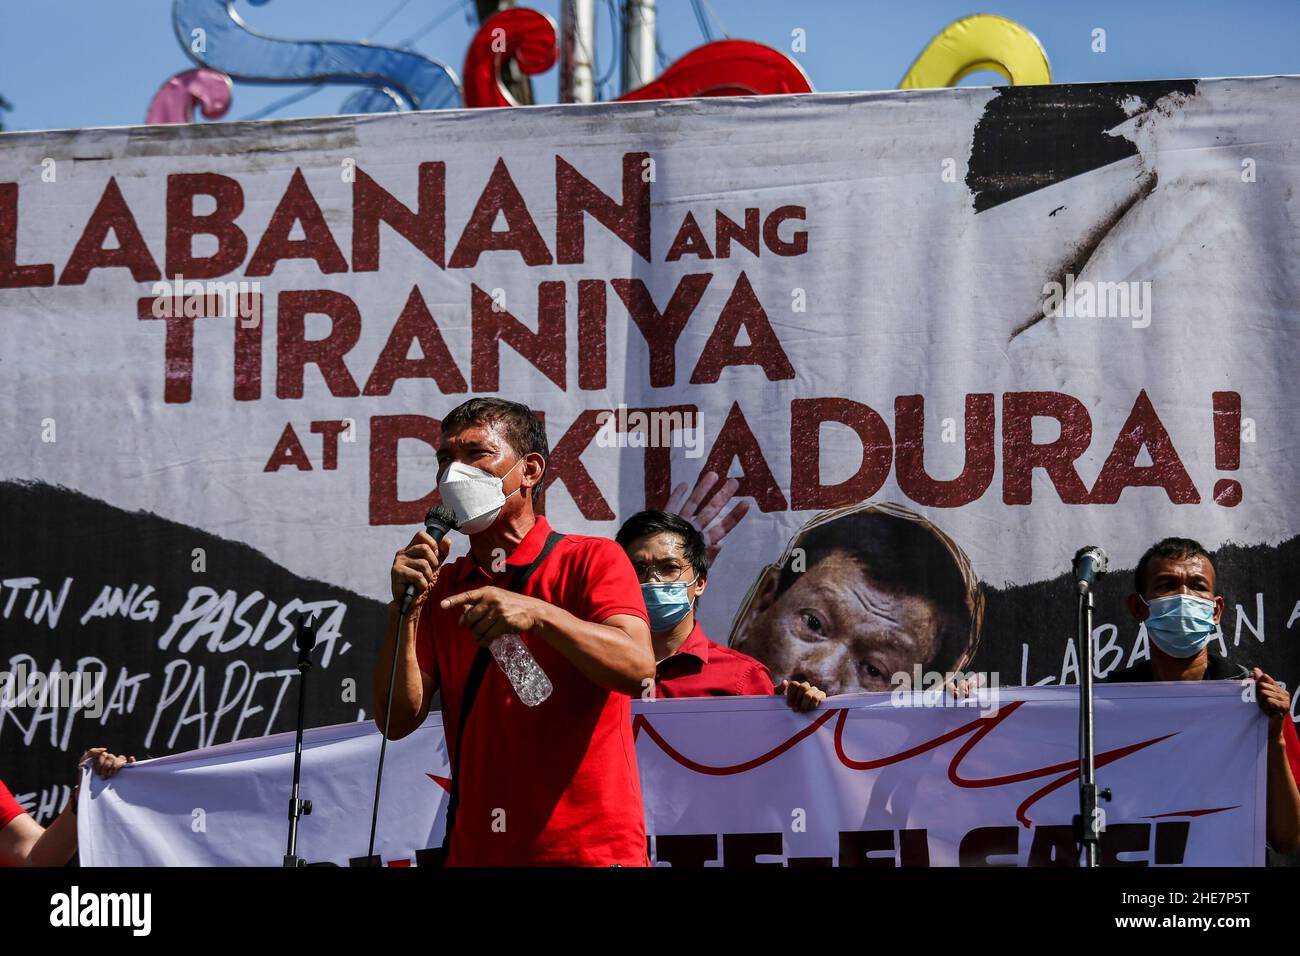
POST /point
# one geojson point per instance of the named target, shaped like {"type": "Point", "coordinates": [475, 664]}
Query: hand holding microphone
{"type": "Point", "coordinates": [415, 568]}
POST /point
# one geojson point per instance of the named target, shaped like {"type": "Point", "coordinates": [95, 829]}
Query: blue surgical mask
{"type": "Point", "coordinates": [667, 603]}
{"type": "Point", "coordinates": [1180, 624]}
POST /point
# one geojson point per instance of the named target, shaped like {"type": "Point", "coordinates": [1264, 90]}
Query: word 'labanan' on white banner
{"type": "Point", "coordinates": [867, 780]}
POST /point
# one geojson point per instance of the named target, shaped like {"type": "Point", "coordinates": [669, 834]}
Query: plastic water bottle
{"type": "Point", "coordinates": [521, 669]}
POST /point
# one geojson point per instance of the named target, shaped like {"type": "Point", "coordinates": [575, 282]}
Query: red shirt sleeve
{"type": "Point", "coordinates": [610, 586]}
{"type": "Point", "coordinates": [9, 807]}
{"type": "Point", "coordinates": [757, 681]}
{"type": "Point", "coordinates": [1291, 744]}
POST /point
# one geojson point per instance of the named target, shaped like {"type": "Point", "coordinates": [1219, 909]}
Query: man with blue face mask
{"type": "Point", "coordinates": [671, 560]}
{"type": "Point", "coordinates": [1176, 600]}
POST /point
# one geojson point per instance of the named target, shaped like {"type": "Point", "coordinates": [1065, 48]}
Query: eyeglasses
{"type": "Point", "coordinates": [661, 571]}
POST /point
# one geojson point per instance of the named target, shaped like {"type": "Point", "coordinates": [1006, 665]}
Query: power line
{"type": "Point", "coordinates": [705, 30]}
{"type": "Point", "coordinates": [388, 19]}
{"type": "Point", "coordinates": [717, 19]}
{"type": "Point", "coordinates": [284, 101]}
{"type": "Point", "coordinates": [437, 21]}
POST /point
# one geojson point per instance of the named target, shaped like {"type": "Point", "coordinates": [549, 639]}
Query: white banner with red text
{"type": "Point", "coordinates": [896, 779]}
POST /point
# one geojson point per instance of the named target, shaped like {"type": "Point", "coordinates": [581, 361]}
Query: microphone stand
{"type": "Point", "coordinates": [388, 719]}
{"type": "Point", "coordinates": [1086, 829]}
{"type": "Point", "coordinates": [437, 523]}
{"type": "Point", "coordinates": [305, 640]}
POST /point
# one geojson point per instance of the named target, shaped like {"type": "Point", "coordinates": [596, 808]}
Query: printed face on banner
{"type": "Point", "coordinates": [859, 597]}
{"type": "Point", "coordinates": [835, 628]}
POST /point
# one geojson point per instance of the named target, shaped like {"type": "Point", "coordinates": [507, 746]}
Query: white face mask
{"type": "Point", "coordinates": [475, 495]}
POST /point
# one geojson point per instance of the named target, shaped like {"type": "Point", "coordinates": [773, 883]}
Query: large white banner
{"type": "Point", "coordinates": [949, 335]}
{"type": "Point", "coordinates": [868, 780]}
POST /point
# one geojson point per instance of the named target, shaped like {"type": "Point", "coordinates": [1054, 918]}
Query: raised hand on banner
{"type": "Point", "coordinates": [1273, 700]}
{"type": "Point", "coordinates": [703, 506]}
{"type": "Point", "coordinates": [104, 763]}
{"type": "Point", "coordinates": [801, 695]}
{"type": "Point", "coordinates": [961, 689]}
{"type": "Point", "coordinates": [24, 842]}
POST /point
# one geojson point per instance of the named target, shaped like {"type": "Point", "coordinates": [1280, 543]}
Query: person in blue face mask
{"type": "Point", "coordinates": [671, 560]}
{"type": "Point", "coordinates": [1175, 598]}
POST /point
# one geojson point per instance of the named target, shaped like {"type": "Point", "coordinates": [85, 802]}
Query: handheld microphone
{"type": "Point", "coordinates": [437, 523]}
{"type": "Point", "coordinates": [1090, 563]}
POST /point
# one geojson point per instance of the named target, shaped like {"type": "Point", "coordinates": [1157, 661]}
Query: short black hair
{"type": "Point", "coordinates": [1176, 548]}
{"type": "Point", "coordinates": [523, 431]}
{"type": "Point", "coordinates": [902, 556]}
{"type": "Point", "coordinates": [664, 522]}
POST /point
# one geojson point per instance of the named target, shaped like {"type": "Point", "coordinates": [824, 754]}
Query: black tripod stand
{"type": "Point", "coordinates": [304, 641]}
{"type": "Point", "coordinates": [1089, 564]}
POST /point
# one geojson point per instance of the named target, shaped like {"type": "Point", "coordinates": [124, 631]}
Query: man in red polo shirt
{"type": "Point", "coordinates": [555, 783]}
{"type": "Point", "coordinates": [671, 560]}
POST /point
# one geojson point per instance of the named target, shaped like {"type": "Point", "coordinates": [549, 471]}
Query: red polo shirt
{"type": "Point", "coordinates": [555, 784]}
{"type": "Point", "coordinates": [704, 668]}
{"type": "Point", "coordinates": [9, 807]}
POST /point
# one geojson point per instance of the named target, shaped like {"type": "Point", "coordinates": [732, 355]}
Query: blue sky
{"type": "Point", "coordinates": [75, 63]}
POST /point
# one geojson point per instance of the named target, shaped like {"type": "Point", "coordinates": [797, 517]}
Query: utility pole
{"type": "Point", "coordinates": [638, 43]}
{"type": "Point", "coordinates": [578, 41]}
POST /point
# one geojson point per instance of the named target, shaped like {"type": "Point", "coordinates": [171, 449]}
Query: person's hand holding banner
{"type": "Point", "coordinates": [801, 695]}
{"type": "Point", "coordinates": [1273, 700]}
